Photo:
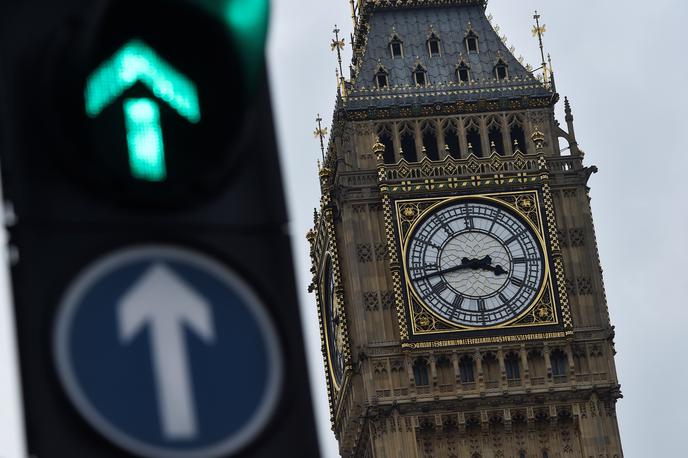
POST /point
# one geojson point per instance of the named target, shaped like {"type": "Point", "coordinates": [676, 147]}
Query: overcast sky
{"type": "Point", "coordinates": [622, 63]}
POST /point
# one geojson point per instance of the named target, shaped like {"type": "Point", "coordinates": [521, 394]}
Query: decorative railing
{"type": "Point", "coordinates": [472, 166]}
{"type": "Point", "coordinates": [565, 163]}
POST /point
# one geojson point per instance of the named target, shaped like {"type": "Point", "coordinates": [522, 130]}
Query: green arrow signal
{"type": "Point", "coordinates": [136, 62]}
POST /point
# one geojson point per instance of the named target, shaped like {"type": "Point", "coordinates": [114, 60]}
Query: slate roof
{"type": "Point", "coordinates": [451, 24]}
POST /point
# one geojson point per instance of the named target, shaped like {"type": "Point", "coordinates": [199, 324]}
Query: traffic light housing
{"type": "Point", "coordinates": [126, 124]}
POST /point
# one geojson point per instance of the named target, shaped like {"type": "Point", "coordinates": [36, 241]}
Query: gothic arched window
{"type": "Point", "coordinates": [386, 139]}
{"type": "Point", "coordinates": [408, 143]}
{"type": "Point", "coordinates": [420, 75]}
{"type": "Point", "coordinates": [474, 139]}
{"type": "Point", "coordinates": [501, 70]}
{"type": "Point", "coordinates": [494, 134]}
{"type": "Point", "coordinates": [430, 143]}
{"type": "Point", "coordinates": [518, 135]}
{"type": "Point", "coordinates": [420, 372]}
{"type": "Point", "coordinates": [381, 78]}
{"type": "Point", "coordinates": [545, 454]}
{"type": "Point", "coordinates": [396, 46]}
{"type": "Point", "coordinates": [463, 73]}
{"type": "Point", "coordinates": [451, 141]}
{"type": "Point", "coordinates": [472, 44]}
{"type": "Point", "coordinates": [522, 454]}
{"type": "Point", "coordinates": [434, 45]}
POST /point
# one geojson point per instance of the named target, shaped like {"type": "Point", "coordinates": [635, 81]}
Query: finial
{"type": "Point", "coordinates": [573, 143]}
{"type": "Point", "coordinates": [338, 44]}
{"type": "Point", "coordinates": [379, 149]}
{"type": "Point", "coordinates": [567, 107]}
{"type": "Point", "coordinates": [493, 147]}
{"type": "Point", "coordinates": [539, 31]}
{"type": "Point", "coordinates": [551, 74]}
{"type": "Point", "coordinates": [517, 147]}
{"type": "Point", "coordinates": [538, 138]}
{"type": "Point", "coordinates": [320, 132]}
{"type": "Point", "coordinates": [310, 236]}
{"type": "Point", "coordinates": [470, 148]}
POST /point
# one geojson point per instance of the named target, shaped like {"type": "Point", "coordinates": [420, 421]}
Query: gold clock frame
{"type": "Point", "coordinates": [526, 205]}
{"type": "Point", "coordinates": [323, 243]}
{"type": "Point", "coordinates": [529, 176]}
{"type": "Point", "coordinates": [322, 310]}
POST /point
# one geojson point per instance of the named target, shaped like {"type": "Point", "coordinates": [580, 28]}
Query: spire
{"type": "Point", "coordinates": [573, 143]}
{"type": "Point", "coordinates": [321, 132]}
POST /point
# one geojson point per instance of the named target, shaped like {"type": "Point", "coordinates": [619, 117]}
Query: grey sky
{"type": "Point", "coordinates": [622, 64]}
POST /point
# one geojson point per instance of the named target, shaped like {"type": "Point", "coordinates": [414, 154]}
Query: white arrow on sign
{"type": "Point", "coordinates": [166, 305]}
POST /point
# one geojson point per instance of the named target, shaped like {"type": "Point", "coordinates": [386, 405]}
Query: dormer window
{"type": "Point", "coordinates": [434, 45]}
{"type": "Point", "coordinates": [463, 73]}
{"type": "Point", "coordinates": [420, 75]}
{"type": "Point", "coordinates": [501, 70]}
{"type": "Point", "coordinates": [472, 45]}
{"type": "Point", "coordinates": [396, 46]}
{"type": "Point", "coordinates": [381, 78]}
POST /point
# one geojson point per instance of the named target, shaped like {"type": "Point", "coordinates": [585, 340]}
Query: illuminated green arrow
{"type": "Point", "coordinates": [136, 62]}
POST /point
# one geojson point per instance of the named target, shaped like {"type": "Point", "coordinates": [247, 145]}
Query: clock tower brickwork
{"type": "Point", "coordinates": [438, 112]}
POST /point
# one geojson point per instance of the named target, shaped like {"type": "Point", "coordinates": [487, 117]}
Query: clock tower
{"type": "Point", "coordinates": [455, 265]}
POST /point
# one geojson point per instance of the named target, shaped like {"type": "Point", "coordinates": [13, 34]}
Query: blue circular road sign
{"type": "Point", "coordinates": [168, 353]}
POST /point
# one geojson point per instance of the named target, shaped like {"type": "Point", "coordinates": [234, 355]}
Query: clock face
{"type": "Point", "coordinates": [334, 339]}
{"type": "Point", "coordinates": [475, 264]}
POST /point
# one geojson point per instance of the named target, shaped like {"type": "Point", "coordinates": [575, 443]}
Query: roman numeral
{"type": "Point", "coordinates": [520, 260]}
{"type": "Point", "coordinates": [503, 298]}
{"type": "Point", "coordinates": [481, 305]}
{"type": "Point", "coordinates": [522, 283]}
{"type": "Point", "coordinates": [458, 301]}
{"type": "Point", "coordinates": [512, 239]}
{"type": "Point", "coordinates": [432, 244]}
{"type": "Point", "coordinates": [439, 288]}
{"type": "Point", "coordinates": [494, 220]}
{"type": "Point", "coordinates": [424, 267]}
{"type": "Point", "coordinates": [517, 281]}
{"type": "Point", "coordinates": [515, 237]}
{"type": "Point", "coordinates": [444, 225]}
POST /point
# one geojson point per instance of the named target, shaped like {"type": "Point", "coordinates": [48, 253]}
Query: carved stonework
{"type": "Point", "coordinates": [422, 382]}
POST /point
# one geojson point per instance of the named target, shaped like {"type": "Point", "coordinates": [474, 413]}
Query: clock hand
{"type": "Point", "coordinates": [465, 264]}
{"type": "Point", "coordinates": [474, 264]}
{"type": "Point", "coordinates": [498, 270]}
{"type": "Point", "coordinates": [486, 264]}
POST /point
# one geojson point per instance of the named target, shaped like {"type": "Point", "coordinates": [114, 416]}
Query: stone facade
{"type": "Point", "coordinates": [417, 388]}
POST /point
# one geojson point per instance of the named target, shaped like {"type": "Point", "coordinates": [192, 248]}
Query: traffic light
{"type": "Point", "coordinates": [153, 288]}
